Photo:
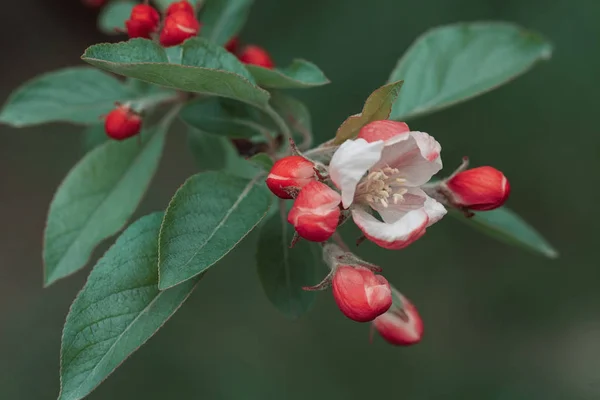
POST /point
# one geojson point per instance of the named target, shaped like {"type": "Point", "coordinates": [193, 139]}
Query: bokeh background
{"type": "Point", "coordinates": [500, 323]}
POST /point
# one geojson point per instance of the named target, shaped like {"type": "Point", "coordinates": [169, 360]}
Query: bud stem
{"type": "Point", "coordinates": [283, 128]}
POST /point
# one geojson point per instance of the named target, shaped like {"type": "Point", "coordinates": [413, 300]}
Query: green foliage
{"type": "Point", "coordinates": [223, 117]}
{"type": "Point", "coordinates": [298, 75]}
{"type": "Point", "coordinates": [293, 111]}
{"type": "Point", "coordinates": [223, 19]}
{"type": "Point", "coordinates": [208, 216]}
{"type": "Point", "coordinates": [284, 271]}
{"type": "Point", "coordinates": [93, 136]}
{"type": "Point", "coordinates": [205, 68]}
{"type": "Point", "coordinates": [163, 4]}
{"type": "Point", "coordinates": [111, 20]}
{"type": "Point", "coordinates": [377, 107]}
{"type": "Point", "coordinates": [117, 311]}
{"type": "Point", "coordinates": [504, 225]}
{"type": "Point", "coordinates": [209, 151]}
{"type": "Point", "coordinates": [453, 63]}
{"type": "Point", "coordinates": [263, 161]}
{"type": "Point", "coordinates": [78, 95]}
{"type": "Point", "coordinates": [96, 199]}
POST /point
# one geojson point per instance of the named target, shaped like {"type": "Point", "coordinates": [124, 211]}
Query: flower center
{"type": "Point", "coordinates": [381, 186]}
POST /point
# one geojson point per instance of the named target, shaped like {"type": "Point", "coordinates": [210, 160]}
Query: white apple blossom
{"type": "Point", "coordinates": [382, 170]}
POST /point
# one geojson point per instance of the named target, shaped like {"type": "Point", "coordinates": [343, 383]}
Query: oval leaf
{"type": "Point", "coordinates": [453, 63]}
{"type": "Point", "coordinates": [284, 271]}
{"type": "Point", "coordinates": [223, 19]}
{"type": "Point", "coordinates": [294, 113]}
{"type": "Point", "coordinates": [205, 68]}
{"type": "Point", "coordinates": [96, 199]}
{"type": "Point", "coordinates": [111, 20]}
{"type": "Point", "coordinates": [208, 216]}
{"type": "Point", "coordinates": [300, 74]}
{"type": "Point", "coordinates": [506, 226]}
{"type": "Point", "coordinates": [78, 95]}
{"type": "Point", "coordinates": [117, 311]}
{"type": "Point", "coordinates": [377, 107]}
{"type": "Point", "coordinates": [223, 117]}
{"type": "Point", "coordinates": [93, 136]}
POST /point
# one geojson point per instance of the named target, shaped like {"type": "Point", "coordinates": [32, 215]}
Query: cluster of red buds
{"type": "Point", "coordinates": [179, 23]}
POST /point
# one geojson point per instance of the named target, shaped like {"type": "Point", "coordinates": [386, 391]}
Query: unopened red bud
{"type": "Point", "coordinates": [482, 189]}
{"type": "Point", "coordinates": [316, 212]}
{"type": "Point", "coordinates": [178, 27]}
{"type": "Point", "coordinates": [183, 5]}
{"type": "Point", "coordinates": [122, 123]}
{"type": "Point", "coordinates": [360, 294]}
{"type": "Point", "coordinates": [232, 45]}
{"type": "Point", "coordinates": [400, 327]}
{"type": "Point", "coordinates": [255, 55]}
{"type": "Point", "coordinates": [382, 130]}
{"type": "Point", "coordinates": [142, 22]}
{"type": "Point", "coordinates": [290, 174]}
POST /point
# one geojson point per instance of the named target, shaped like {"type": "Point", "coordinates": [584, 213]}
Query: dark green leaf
{"type": "Point", "coordinates": [223, 117]}
{"type": "Point", "coordinates": [117, 311]}
{"type": "Point", "coordinates": [506, 226]}
{"type": "Point", "coordinates": [206, 68]}
{"type": "Point", "coordinates": [263, 161]}
{"type": "Point", "coordinates": [453, 63]}
{"type": "Point", "coordinates": [300, 74]}
{"type": "Point", "coordinates": [223, 19]}
{"type": "Point", "coordinates": [293, 112]}
{"type": "Point", "coordinates": [377, 107]}
{"type": "Point", "coordinates": [208, 216]}
{"type": "Point", "coordinates": [79, 95]}
{"type": "Point", "coordinates": [209, 151]}
{"type": "Point", "coordinates": [93, 136]}
{"type": "Point", "coordinates": [284, 271]}
{"type": "Point", "coordinates": [96, 199]}
{"type": "Point", "coordinates": [111, 20]}
{"type": "Point", "coordinates": [163, 4]}
{"type": "Point", "coordinates": [174, 54]}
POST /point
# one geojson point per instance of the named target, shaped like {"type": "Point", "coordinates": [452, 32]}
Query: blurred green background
{"type": "Point", "coordinates": [500, 323]}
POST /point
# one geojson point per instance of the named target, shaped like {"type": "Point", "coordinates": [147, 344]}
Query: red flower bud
{"type": "Point", "coordinates": [316, 212]}
{"type": "Point", "coordinates": [182, 5]}
{"type": "Point", "coordinates": [400, 327]}
{"type": "Point", "coordinates": [122, 123]}
{"type": "Point", "coordinates": [482, 189]}
{"type": "Point", "coordinates": [289, 175]}
{"type": "Point", "coordinates": [360, 294]}
{"type": "Point", "coordinates": [232, 45]}
{"type": "Point", "coordinates": [142, 22]}
{"type": "Point", "coordinates": [382, 130]}
{"type": "Point", "coordinates": [178, 27]}
{"type": "Point", "coordinates": [255, 55]}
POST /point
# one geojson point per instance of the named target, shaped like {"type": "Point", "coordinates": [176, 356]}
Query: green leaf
{"type": "Point", "coordinates": [96, 199]}
{"type": "Point", "coordinates": [117, 311]}
{"type": "Point", "coordinates": [93, 136]}
{"type": "Point", "coordinates": [293, 111]}
{"type": "Point", "coordinates": [299, 75]}
{"type": "Point", "coordinates": [111, 20]}
{"type": "Point", "coordinates": [205, 68]}
{"type": "Point", "coordinates": [213, 153]}
{"type": "Point", "coordinates": [223, 19]}
{"type": "Point", "coordinates": [377, 107]}
{"type": "Point", "coordinates": [454, 63]}
{"type": "Point", "coordinates": [263, 161]}
{"type": "Point", "coordinates": [78, 95]}
{"type": "Point", "coordinates": [223, 117]}
{"type": "Point", "coordinates": [163, 4]}
{"type": "Point", "coordinates": [208, 216]}
{"type": "Point", "coordinates": [506, 226]}
{"type": "Point", "coordinates": [284, 271]}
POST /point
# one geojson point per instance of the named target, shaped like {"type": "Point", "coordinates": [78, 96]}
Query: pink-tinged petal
{"type": "Point", "coordinates": [434, 209]}
{"type": "Point", "coordinates": [416, 155]}
{"type": "Point", "coordinates": [400, 327]}
{"type": "Point", "coordinates": [392, 236]}
{"type": "Point", "coordinates": [382, 130]}
{"type": "Point", "coordinates": [413, 199]}
{"type": "Point", "coordinates": [350, 163]}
